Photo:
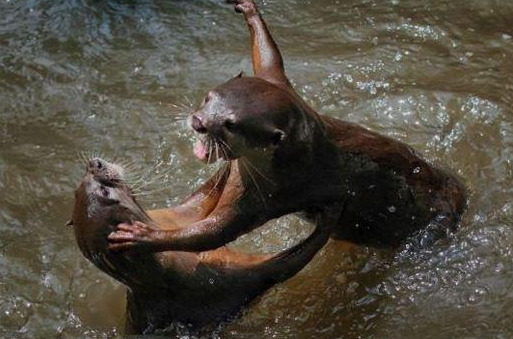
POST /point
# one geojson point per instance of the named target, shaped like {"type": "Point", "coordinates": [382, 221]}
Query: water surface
{"type": "Point", "coordinates": [116, 77]}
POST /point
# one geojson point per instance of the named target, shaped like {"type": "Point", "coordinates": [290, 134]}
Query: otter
{"type": "Point", "coordinates": [196, 289]}
{"type": "Point", "coordinates": [283, 157]}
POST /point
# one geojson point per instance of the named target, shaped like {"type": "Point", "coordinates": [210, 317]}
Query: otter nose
{"type": "Point", "coordinates": [197, 124]}
{"type": "Point", "coordinates": [95, 164]}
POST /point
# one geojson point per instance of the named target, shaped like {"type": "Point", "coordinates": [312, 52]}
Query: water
{"type": "Point", "coordinates": [105, 77]}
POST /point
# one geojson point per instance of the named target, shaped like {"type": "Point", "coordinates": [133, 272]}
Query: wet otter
{"type": "Point", "coordinates": [190, 288]}
{"type": "Point", "coordinates": [284, 158]}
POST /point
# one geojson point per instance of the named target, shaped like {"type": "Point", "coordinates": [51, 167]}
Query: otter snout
{"type": "Point", "coordinates": [197, 124]}
{"type": "Point", "coordinates": [104, 171]}
{"type": "Point", "coordinates": [217, 126]}
{"type": "Point", "coordinates": [95, 165]}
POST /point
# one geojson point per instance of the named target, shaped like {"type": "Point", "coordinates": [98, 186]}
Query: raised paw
{"type": "Point", "coordinates": [248, 7]}
{"type": "Point", "coordinates": [138, 236]}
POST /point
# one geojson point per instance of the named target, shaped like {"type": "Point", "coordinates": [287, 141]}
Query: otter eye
{"type": "Point", "coordinates": [277, 138]}
{"type": "Point", "coordinates": [208, 97]}
{"type": "Point", "coordinates": [230, 125]}
{"type": "Point", "coordinates": [105, 191]}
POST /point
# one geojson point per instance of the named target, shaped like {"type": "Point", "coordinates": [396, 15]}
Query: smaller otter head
{"type": "Point", "coordinates": [104, 183]}
{"type": "Point", "coordinates": [102, 199]}
{"type": "Point", "coordinates": [243, 117]}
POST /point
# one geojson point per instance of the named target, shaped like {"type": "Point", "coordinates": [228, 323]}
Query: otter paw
{"type": "Point", "coordinates": [247, 7]}
{"type": "Point", "coordinates": [132, 236]}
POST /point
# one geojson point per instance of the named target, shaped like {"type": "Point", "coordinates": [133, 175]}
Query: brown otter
{"type": "Point", "coordinates": [284, 158]}
{"type": "Point", "coordinates": [190, 288]}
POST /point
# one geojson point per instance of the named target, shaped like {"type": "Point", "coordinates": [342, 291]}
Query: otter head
{"type": "Point", "coordinates": [102, 199]}
{"type": "Point", "coordinates": [244, 117]}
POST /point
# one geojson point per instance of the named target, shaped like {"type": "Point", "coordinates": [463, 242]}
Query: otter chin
{"type": "Point", "coordinates": [195, 289]}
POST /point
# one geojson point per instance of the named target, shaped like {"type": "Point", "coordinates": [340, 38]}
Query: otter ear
{"type": "Point", "coordinates": [69, 223]}
{"type": "Point", "coordinates": [240, 75]}
{"type": "Point", "coordinates": [277, 137]}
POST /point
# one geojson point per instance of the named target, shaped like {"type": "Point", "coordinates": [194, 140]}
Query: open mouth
{"type": "Point", "coordinates": [209, 150]}
{"type": "Point", "coordinates": [201, 150]}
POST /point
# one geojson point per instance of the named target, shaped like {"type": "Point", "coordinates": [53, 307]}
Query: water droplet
{"type": "Point", "coordinates": [211, 281]}
{"type": "Point", "coordinates": [392, 209]}
{"type": "Point", "coordinates": [499, 267]}
{"type": "Point", "coordinates": [416, 170]}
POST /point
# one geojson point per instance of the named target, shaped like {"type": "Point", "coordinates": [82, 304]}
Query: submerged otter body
{"type": "Point", "coordinates": [190, 288]}
{"type": "Point", "coordinates": [286, 158]}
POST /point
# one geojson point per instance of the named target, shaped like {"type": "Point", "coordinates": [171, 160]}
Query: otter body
{"type": "Point", "coordinates": [283, 157]}
{"type": "Point", "coordinates": [386, 191]}
{"type": "Point", "coordinates": [195, 289]}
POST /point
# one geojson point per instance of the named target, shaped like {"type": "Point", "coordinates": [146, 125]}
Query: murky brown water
{"type": "Point", "coordinates": [103, 76]}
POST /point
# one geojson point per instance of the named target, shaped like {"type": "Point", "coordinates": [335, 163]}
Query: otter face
{"type": "Point", "coordinates": [241, 118]}
{"type": "Point", "coordinates": [102, 185]}
{"type": "Point", "coordinates": [104, 179]}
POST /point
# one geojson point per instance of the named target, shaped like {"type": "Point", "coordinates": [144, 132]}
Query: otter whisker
{"type": "Point", "coordinates": [178, 113]}
{"type": "Point", "coordinates": [209, 146]}
{"type": "Point", "coordinates": [188, 101]}
{"type": "Point", "coordinates": [228, 148]}
{"type": "Point", "coordinates": [140, 183]}
{"type": "Point", "coordinates": [86, 155]}
{"type": "Point", "coordinates": [153, 191]}
{"type": "Point", "coordinates": [225, 148]}
{"type": "Point", "coordinates": [82, 157]}
{"type": "Point", "coordinates": [182, 110]}
{"type": "Point", "coordinates": [258, 171]}
{"type": "Point", "coordinates": [248, 170]}
{"type": "Point", "coordinates": [221, 171]}
{"type": "Point", "coordinates": [217, 150]}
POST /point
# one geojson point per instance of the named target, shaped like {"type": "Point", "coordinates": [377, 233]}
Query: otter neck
{"type": "Point", "coordinates": [255, 175]}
